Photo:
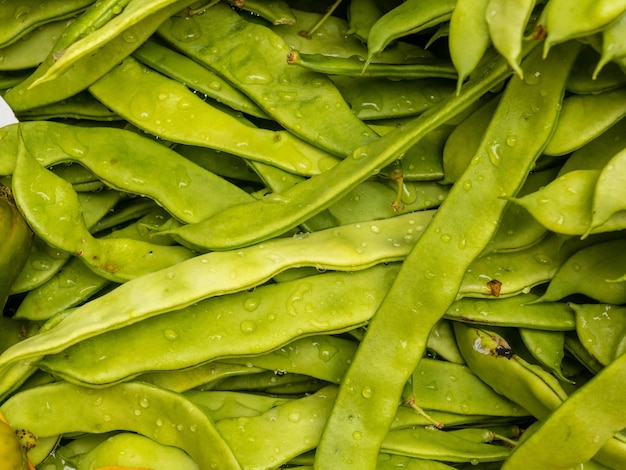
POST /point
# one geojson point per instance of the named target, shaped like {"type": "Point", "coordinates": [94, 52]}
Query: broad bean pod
{"type": "Point", "coordinates": [128, 162]}
{"type": "Point", "coordinates": [349, 67]}
{"type": "Point", "coordinates": [23, 18]}
{"type": "Point", "coordinates": [410, 17]}
{"type": "Point", "coordinates": [389, 334]}
{"type": "Point", "coordinates": [272, 317]}
{"type": "Point", "coordinates": [164, 416]}
{"type": "Point", "coordinates": [152, 96]}
{"type": "Point", "coordinates": [292, 96]}
{"type": "Point", "coordinates": [52, 209]}
{"type": "Point", "coordinates": [579, 428]}
{"type": "Point", "coordinates": [214, 274]}
{"type": "Point", "coordinates": [277, 213]}
{"type": "Point", "coordinates": [585, 117]}
{"type": "Point", "coordinates": [88, 69]}
{"type": "Point", "coordinates": [600, 329]}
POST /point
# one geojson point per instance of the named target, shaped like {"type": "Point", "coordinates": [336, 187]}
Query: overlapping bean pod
{"type": "Point", "coordinates": [502, 213]}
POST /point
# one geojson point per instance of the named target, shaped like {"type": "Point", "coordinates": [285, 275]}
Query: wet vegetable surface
{"type": "Point", "coordinates": [314, 235]}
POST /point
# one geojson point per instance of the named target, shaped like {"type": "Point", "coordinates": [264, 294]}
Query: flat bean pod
{"type": "Point", "coordinates": [88, 69]}
{"type": "Point", "coordinates": [152, 96]}
{"type": "Point", "coordinates": [514, 311]}
{"type": "Point", "coordinates": [190, 73]}
{"type": "Point", "coordinates": [609, 193]}
{"type": "Point", "coordinates": [237, 325]}
{"type": "Point", "coordinates": [454, 388]}
{"type": "Point", "coordinates": [595, 271]}
{"type": "Point", "coordinates": [582, 78]}
{"type": "Point", "coordinates": [214, 274]}
{"type": "Point", "coordinates": [585, 117]}
{"type": "Point", "coordinates": [490, 358]}
{"type": "Point", "coordinates": [439, 260]}
{"type": "Point", "coordinates": [350, 67]}
{"type": "Point", "coordinates": [469, 36]}
{"type": "Point", "coordinates": [507, 22]}
{"type": "Point", "coordinates": [220, 405]}
{"type": "Point", "coordinates": [164, 416]}
{"type": "Point", "coordinates": [429, 443]}
{"type": "Point", "coordinates": [33, 48]}
{"type": "Point", "coordinates": [277, 213]}
{"type": "Point", "coordinates": [188, 192]}
{"type": "Point", "coordinates": [600, 329]}
{"type": "Point", "coordinates": [134, 12]}
{"type": "Point", "coordinates": [410, 17]}
{"type": "Point", "coordinates": [134, 450]}
{"type": "Point", "coordinates": [53, 211]}
{"type": "Point", "coordinates": [579, 427]}
{"type": "Point", "coordinates": [295, 98]}
{"type": "Point", "coordinates": [547, 347]}
{"type": "Point", "coordinates": [564, 21]}
{"type": "Point", "coordinates": [380, 98]}
{"type": "Point", "coordinates": [44, 260]}
{"type": "Point", "coordinates": [75, 282]}
{"type": "Point", "coordinates": [613, 45]}
{"type": "Point", "coordinates": [20, 19]}
{"type": "Point", "coordinates": [362, 14]}
{"type": "Point", "coordinates": [276, 12]}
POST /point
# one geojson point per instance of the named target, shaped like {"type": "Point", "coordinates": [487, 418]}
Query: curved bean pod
{"type": "Point", "coordinates": [20, 19]}
{"type": "Point", "coordinates": [270, 318]}
{"type": "Point", "coordinates": [190, 73]}
{"type": "Point", "coordinates": [294, 97]}
{"type": "Point", "coordinates": [600, 329]}
{"type": "Point", "coordinates": [191, 120]}
{"type": "Point", "coordinates": [583, 118]}
{"type": "Point", "coordinates": [131, 163]}
{"type": "Point", "coordinates": [439, 260]}
{"type": "Point", "coordinates": [88, 69]}
{"type": "Point", "coordinates": [409, 17]}
{"type": "Point", "coordinates": [349, 67]}
{"type": "Point", "coordinates": [609, 193]}
{"type": "Point", "coordinates": [579, 427]}
{"type": "Point", "coordinates": [277, 213]}
{"type": "Point", "coordinates": [362, 14]}
{"type": "Point", "coordinates": [164, 416]}
{"type": "Point", "coordinates": [596, 271]}
{"type": "Point", "coordinates": [507, 21]}
{"type": "Point", "coordinates": [215, 274]}
{"type": "Point", "coordinates": [612, 43]}
{"type": "Point", "coordinates": [514, 311]}
{"type": "Point", "coordinates": [564, 20]}
{"type": "Point", "coordinates": [52, 209]}
{"type": "Point", "coordinates": [469, 36]}
{"type": "Point", "coordinates": [128, 450]}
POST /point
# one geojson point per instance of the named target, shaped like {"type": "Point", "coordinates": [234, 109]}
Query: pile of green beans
{"type": "Point", "coordinates": [313, 235]}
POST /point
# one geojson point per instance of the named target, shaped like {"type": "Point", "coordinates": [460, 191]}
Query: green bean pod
{"type": "Point", "coordinates": [134, 450]}
{"type": "Point", "coordinates": [609, 192]}
{"type": "Point", "coordinates": [294, 97]}
{"type": "Point", "coordinates": [600, 329]}
{"type": "Point", "coordinates": [214, 274]}
{"type": "Point", "coordinates": [350, 67]}
{"type": "Point", "coordinates": [507, 21]}
{"type": "Point", "coordinates": [469, 36]}
{"type": "Point", "coordinates": [16, 238]}
{"type": "Point", "coordinates": [191, 120]}
{"type": "Point", "coordinates": [53, 211]}
{"type": "Point", "coordinates": [164, 416]}
{"type": "Point", "coordinates": [518, 311]}
{"type": "Point", "coordinates": [89, 68]}
{"type": "Point", "coordinates": [583, 118]}
{"type": "Point", "coordinates": [33, 48]}
{"type": "Point", "coordinates": [579, 427]}
{"type": "Point", "coordinates": [409, 17]}
{"type": "Point", "coordinates": [270, 318]}
{"type": "Point", "coordinates": [362, 14]}
{"type": "Point", "coordinates": [439, 260]}
{"type": "Point", "coordinates": [23, 18]}
{"type": "Point", "coordinates": [613, 45]}
{"type": "Point", "coordinates": [564, 20]}
{"type": "Point", "coordinates": [190, 73]}
{"type": "Point", "coordinates": [596, 271]}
